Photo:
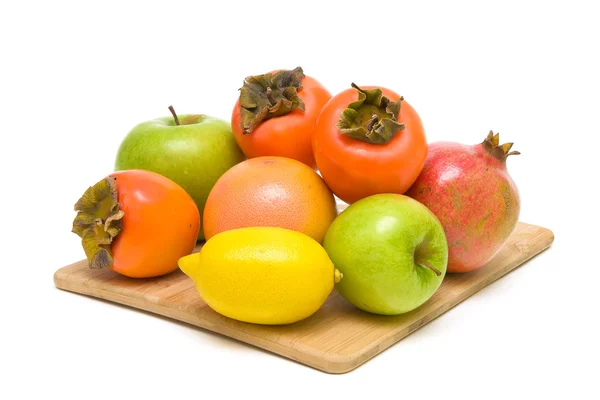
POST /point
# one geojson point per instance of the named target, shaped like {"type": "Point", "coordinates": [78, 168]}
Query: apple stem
{"type": "Point", "coordinates": [174, 114]}
{"type": "Point", "coordinates": [427, 265]}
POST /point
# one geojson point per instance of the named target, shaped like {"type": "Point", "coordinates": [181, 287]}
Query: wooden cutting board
{"type": "Point", "coordinates": [336, 339]}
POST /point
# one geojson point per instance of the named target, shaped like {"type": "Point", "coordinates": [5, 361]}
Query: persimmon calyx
{"type": "Point", "coordinates": [373, 118]}
{"type": "Point", "coordinates": [98, 221]}
{"type": "Point", "coordinates": [268, 96]}
{"type": "Point", "coordinates": [499, 151]}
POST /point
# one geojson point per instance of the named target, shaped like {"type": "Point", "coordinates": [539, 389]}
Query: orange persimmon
{"type": "Point", "coordinates": [137, 223]}
{"type": "Point", "coordinates": [275, 115]}
{"type": "Point", "coordinates": [368, 141]}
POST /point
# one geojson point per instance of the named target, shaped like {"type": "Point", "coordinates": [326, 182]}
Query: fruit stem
{"type": "Point", "coordinates": [174, 114]}
{"type": "Point", "coordinates": [269, 94]}
{"type": "Point", "coordinates": [427, 265]}
{"type": "Point", "coordinates": [337, 275]}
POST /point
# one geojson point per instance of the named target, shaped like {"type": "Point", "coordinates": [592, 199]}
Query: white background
{"type": "Point", "coordinates": [75, 77]}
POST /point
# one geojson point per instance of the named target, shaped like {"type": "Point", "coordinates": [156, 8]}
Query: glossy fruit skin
{"type": "Point", "coordinates": [289, 135]}
{"type": "Point", "coordinates": [270, 191]}
{"type": "Point", "coordinates": [473, 196]}
{"type": "Point", "coordinates": [375, 243]}
{"type": "Point", "coordinates": [194, 154]}
{"type": "Point", "coordinates": [160, 224]}
{"type": "Point", "coordinates": [354, 169]}
{"type": "Point", "coordinates": [262, 275]}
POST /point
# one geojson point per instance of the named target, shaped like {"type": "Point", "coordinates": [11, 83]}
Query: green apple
{"type": "Point", "coordinates": [192, 150]}
{"type": "Point", "coordinates": [392, 252]}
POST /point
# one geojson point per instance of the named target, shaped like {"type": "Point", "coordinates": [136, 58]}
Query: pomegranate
{"type": "Point", "coordinates": [470, 191]}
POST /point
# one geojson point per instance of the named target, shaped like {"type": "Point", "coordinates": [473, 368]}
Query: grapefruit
{"type": "Point", "coordinates": [270, 191]}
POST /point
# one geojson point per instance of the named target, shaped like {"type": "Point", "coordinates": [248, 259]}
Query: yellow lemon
{"type": "Point", "coordinates": [263, 275]}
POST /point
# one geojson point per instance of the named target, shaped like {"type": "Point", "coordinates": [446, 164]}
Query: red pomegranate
{"type": "Point", "coordinates": [470, 191]}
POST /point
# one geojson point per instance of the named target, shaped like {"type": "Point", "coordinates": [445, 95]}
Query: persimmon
{"type": "Point", "coordinates": [369, 140]}
{"type": "Point", "coordinates": [137, 223]}
{"type": "Point", "coordinates": [275, 115]}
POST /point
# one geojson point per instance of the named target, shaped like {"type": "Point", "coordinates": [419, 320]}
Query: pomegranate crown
{"type": "Point", "coordinates": [496, 150]}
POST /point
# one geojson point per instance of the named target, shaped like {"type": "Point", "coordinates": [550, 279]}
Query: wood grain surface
{"type": "Point", "coordinates": [336, 339]}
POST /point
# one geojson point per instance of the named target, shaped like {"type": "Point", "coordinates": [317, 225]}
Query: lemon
{"type": "Point", "coordinates": [262, 275]}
